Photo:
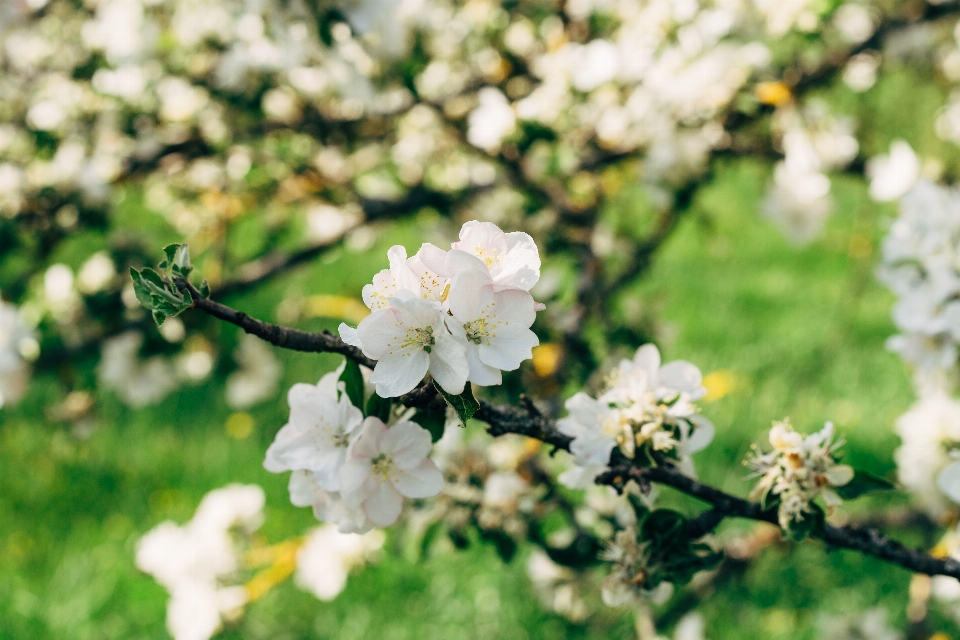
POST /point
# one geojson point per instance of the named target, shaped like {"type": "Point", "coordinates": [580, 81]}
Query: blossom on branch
{"type": "Point", "coordinates": [386, 465]}
{"type": "Point", "coordinates": [798, 470]}
{"type": "Point", "coordinates": [645, 405]}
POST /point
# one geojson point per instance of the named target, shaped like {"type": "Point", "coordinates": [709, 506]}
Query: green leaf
{"type": "Point", "coordinates": [432, 421]}
{"type": "Point", "coordinates": [663, 525]}
{"type": "Point", "coordinates": [505, 545]}
{"type": "Point", "coordinates": [464, 404]}
{"type": "Point", "coordinates": [353, 379]}
{"type": "Point", "coordinates": [378, 407]}
{"type": "Point", "coordinates": [813, 522]}
{"type": "Point", "coordinates": [140, 288]}
{"type": "Point", "coordinates": [862, 482]}
{"type": "Point", "coordinates": [159, 317]}
{"type": "Point", "coordinates": [170, 251]}
{"type": "Point", "coordinates": [204, 289]}
{"type": "Point", "coordinates": [429, 536]}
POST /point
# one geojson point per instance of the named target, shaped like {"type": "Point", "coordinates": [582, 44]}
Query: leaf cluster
{"type": "Point", "coordinates": [157, 289]}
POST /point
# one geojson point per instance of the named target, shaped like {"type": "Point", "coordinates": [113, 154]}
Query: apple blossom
{"type": "Point", "coordinates": [326, 558]}
{"type": "Point", "coordinates": [316, 437]}
{"type": "Point", "coordinates": [327, 506]}
{"type": "Point", "coordinates": [495, 325]}
{"type": "Point", "coordinates": [387, 464]}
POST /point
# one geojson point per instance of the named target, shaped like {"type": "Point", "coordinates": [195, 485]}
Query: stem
{"type": "Point", "coordinates": [504, 420]}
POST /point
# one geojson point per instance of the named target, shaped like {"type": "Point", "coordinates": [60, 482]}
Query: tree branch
{"type": "Point", "coordinates": [512, 420]}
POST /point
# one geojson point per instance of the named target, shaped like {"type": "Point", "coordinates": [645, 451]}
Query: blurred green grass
{"type": "Point", "coordinates": [799, 330]}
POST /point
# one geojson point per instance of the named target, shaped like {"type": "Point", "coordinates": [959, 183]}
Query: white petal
{"type": "Point", "coordinates": [587, 411]}
{"type": "Point", "coordinates": [839, 475]}
{"type": "Point", "coordinates": [682, 376]}
{"type": "Point", "coordinates": [702, 434]}
{"type": "Point", "coordinates": [384, 505]}
{"type": "Point", "coordinates": [407, 443]}
{"type": "Point", "coordinates": [648, 359]}
{"type": "Point", "coordinates": [368, 444]}
{"type": "Point", "coordinates": [434, 258]}
{"type": "Point", "coordinates": [580, 477]}
{"type": "Point", "coordinates": [349, 335]}
{"type": "Point", "coordinates": [592, 448]}
{"type": "Point", "coordinates": [416, 312]}
{"type": "Point", "coordinates": [398, 373]}
{"type": "Point", "coordinates": [469, 293]}
{"type": "Point", "coordinates": [404, 277]}
{"type": "Point", "coordinates": [948, 480]}
{"type": "Point", "coordinates": [421, 481]}
{"type": "Point", "coordinates": [480, 374]}
{"type": "Point", "coordinates": [448, 364]}
{"type": "Point", "coordinates": [356, 482]}
{"type": "Point", "coordinates": [377, 333]}
{"type": "Point", "coordinates": [509, 349]}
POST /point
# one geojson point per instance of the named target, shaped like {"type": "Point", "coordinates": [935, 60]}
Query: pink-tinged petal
{"type": "Point", "coordinates": [648, 359]}
{"type": "Point", "coordinates": [509, 349]}
{"type": "Point", "coordinates": [379, 332]}
{"type": "Point", "coordinates": [448, 364]}
{"type": "Point", "coordinates": [367, 445]}
{"type": "Point", "coordinates": [476, 236]}
{"type": "Point", "coordinates": [399, 372]}
{"type": "Point", "coordinates": [433, 258]}
{"type": "Point", "coordinates": [682, 376]}
{"type": "Point", "coordinates": [479, 373]}
{"type": "Point", "coordinates": [402, 275]}
{"type": "Point", "coordinates": [520, 268]}
{"type": "Point", "coordinates": [458, 261]}
{"type": "Point", "coordinates": [384, 505]}
{"type": "Point", "coordinates": [356, 482]}
{"type": "Point", "coordinates": [469, 293]}
{"type": "Point", "coordinates": [407, 443]}
{"type": "Point", "coordinates": [421, 481]}
{"type": "Point", "coordinates": [349, 335]}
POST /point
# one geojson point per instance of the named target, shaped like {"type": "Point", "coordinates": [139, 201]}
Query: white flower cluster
{"type": "Point", "coordinates": [814, 142]}
{"type": "Point", "coordinates": [645, 404]}
{"type": "Point", "coordinates": [462, 315]}
{"type": "Point", "coordinates": [17, 347]}
{"type": "Point", "coordinates": [921, 265]}
{"type": "Point", "coordinates": [327, 556]}
{"type": "Point", "coordinates": [198, 562]}
{"type": "Point", "coordinates": [631, 568]}
{"type": "Point", "coordinates": [353, 472]}
{"type": "Point", "coordinates": [798, 470]}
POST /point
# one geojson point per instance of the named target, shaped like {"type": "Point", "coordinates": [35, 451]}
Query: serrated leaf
{"type": "Point", "coordinates": [140, 289]}
{"type": "Point", "coordinates": [432, 421]}
{"type": "Point", "coordinates": [159, 317]}
{"type": "Point", "coordinates": [204, 289]}
{"type": "Point", "coordinates": [170, 251]}
{"type": "Point", "coordinates": [151, 277]}
{"type": "Point", "coordinates": [378, 407]}
{"type": "Point", "coordinates": [862, 482]}
{"type": "Point", "coordinates": [353, 380]}
{"type": "Point", "coordinates": [464, 404]}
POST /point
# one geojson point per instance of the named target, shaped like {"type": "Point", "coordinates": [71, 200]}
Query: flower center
{"type": "Point", "coordinates": [477, 330]}
{"type": "Point", "coordinates": [383, 467]}
{"type": "Point", "coordinates": [489, 256]}
{"type": "Point", "coordinates": [421, 337]}
{"type": "Point", "coordinates": [341, 439]}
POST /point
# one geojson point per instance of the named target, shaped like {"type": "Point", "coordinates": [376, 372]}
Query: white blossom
{"type": "Point", "coordinates": [387, 464]}
{"type": "Point", "coordinates": [491, 121]}
{"type": "Point", "coordinates": [893, 175]}
{"type": "Point", "coordinates": [326, 558]}
{"type": "Point", "coordinates": [316, 437]}
{"type": "Point", "coordinates": [258, 376]}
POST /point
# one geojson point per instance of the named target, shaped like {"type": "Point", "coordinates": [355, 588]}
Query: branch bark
{"type": "Point", "coordinates": [504, 420]}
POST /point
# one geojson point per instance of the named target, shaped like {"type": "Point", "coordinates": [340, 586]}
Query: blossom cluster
{"type": "Point", "coordinates": [645, 405]}
{"type": "Point", "coordinates": [199, 563]}
{"type": "Point", "coordinates": [352, 471]}
{"type": "Point", "coordinates": [797, 471]}
{"type": "Point", "coordinates": [202, 564]}
{"type": "Point", "coordinates": [462, 315]}
{"type": "Point", "coordinates": [17, 347]}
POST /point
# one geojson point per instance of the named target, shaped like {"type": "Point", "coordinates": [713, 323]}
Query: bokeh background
{"type": "Point", "coordinates": [292, 144]}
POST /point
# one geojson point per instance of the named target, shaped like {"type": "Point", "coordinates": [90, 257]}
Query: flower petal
{"type": "Point", "coordinates": [407, 443]}
{"type": "Point", "coordinates": [448, 364]}
{"type": "Point", "coordinates": [384, 505]}
{"type": "Point", "coordinates": [481, 374]}
{"type": "Point", "coordinates": [399, 372]}
{"type": "Point", "coordinates": [421, 481]}
{"type": "Point", "coordinates": [356, 482]}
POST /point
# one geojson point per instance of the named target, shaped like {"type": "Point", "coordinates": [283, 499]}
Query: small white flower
{"type": "Point", "coordinates": [327, 506]}
{"type": "Point", "coordinates": [326, 558]}
{"type": "Point", "coordinates": [595, 428]}
{"type": "Point", "coordinates": [387, 464]}
{"type": "Point", "coordinates": [512, 258]}
{"type": "Point", "coordinates": [893, 175]}
{"type": "Point", "coordinates": [317, 435]}
{"type": "Point", "coordinates": [495, 325]}
{"type": "Point", "coordinates": [408, 339]}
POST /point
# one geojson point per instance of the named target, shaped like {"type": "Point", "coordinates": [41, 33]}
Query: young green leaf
{"type": "Point", "coordinates": [862, 482]}
{"type": "Point", "coordinates": [464, 404]}
{"type": "Point", "coordinates": [353, 380]}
